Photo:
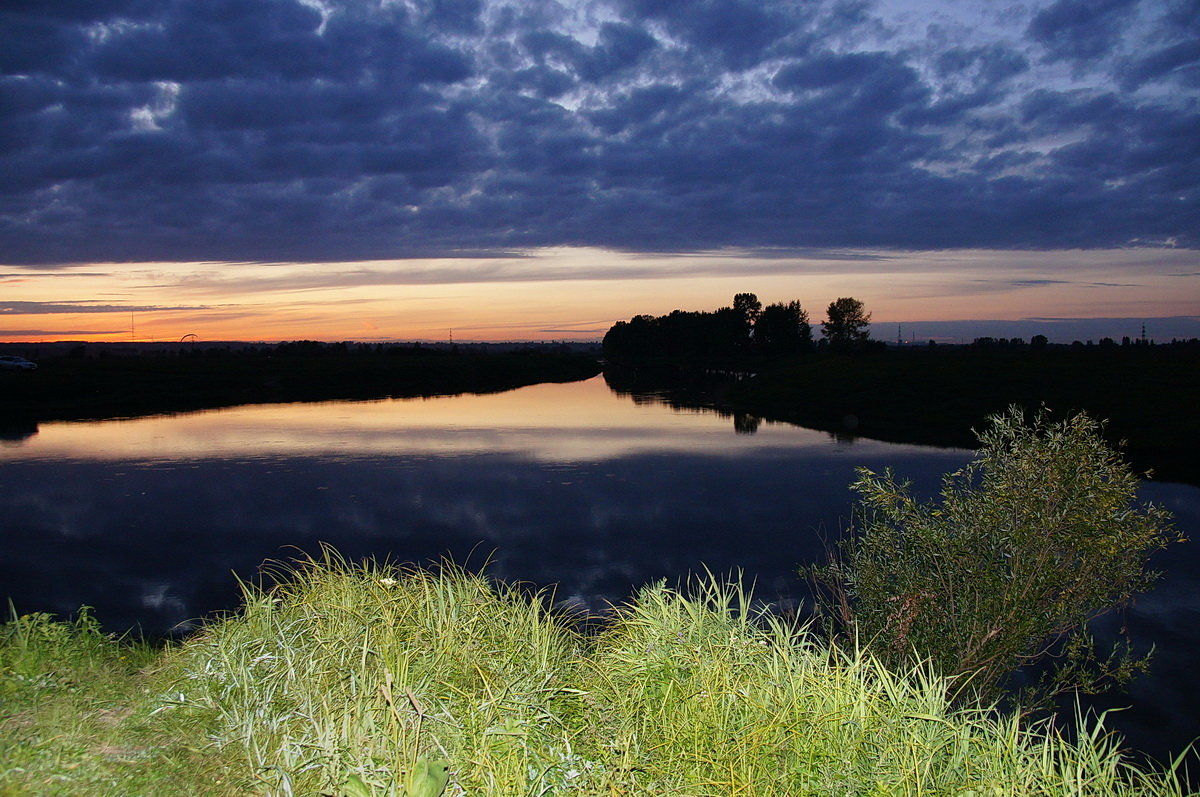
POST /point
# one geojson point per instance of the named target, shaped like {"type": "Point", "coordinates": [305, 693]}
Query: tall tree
{"type": "Point", "coordinates": [846, 323]}
{"type": "Point", "coordinates": [748, 305]}
{"type": "Point", "coordinates": [782, 329]}
{"type": "Point", "coordinates": [735, 325]}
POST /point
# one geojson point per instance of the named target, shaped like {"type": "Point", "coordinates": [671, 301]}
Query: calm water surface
{"type": "Point", "coordinates": [570, 485]}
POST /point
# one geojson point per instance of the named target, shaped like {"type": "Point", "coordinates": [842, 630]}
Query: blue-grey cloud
{"type": "Point", "coordinates": [1081, 30]}
{"type": "Point", "coordinates": [1039, 283]}
{"type": "Point", "coordinates": [56, 334]}
{"type": "Point", "coordinates": [1181, 60]}
{"type": "Point", "coordinates": [1036, 283]}
{"type": "Point", "coordinates": [56, 308]}
{"type": "Point", "coordinates": [273, 130]}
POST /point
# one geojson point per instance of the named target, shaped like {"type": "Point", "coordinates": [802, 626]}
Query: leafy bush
{"type": "Point", "coordinates": [1040, 533]}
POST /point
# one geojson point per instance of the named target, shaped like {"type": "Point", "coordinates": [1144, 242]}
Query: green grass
{"type": "Point", "coordinates": [75, 716]}
{"type": "Point", "coordinates": [362, 679]}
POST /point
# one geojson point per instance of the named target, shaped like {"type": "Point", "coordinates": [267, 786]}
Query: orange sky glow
{"type": "Point", "coordinates": [575, 293]}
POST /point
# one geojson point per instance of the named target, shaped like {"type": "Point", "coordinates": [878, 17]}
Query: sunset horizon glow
{"type": "Point", "coordinates": [576, 294]}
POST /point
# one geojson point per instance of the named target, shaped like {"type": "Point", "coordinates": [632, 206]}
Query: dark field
{"type": "Point", "coordinates": [1150, 396]}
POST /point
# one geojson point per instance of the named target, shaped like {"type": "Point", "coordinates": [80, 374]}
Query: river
{"type": "Point", "coordinates": [565, 486]}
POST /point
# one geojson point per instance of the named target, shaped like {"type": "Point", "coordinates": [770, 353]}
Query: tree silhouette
{"type": "Point", "coordinates": [748, 305]}
{"type": "Point", "coordinates": [846, 323]}
{"type": "Point", "coordinates": [726, 334]}
{"type": "Point", "coordinates": [782, 328]}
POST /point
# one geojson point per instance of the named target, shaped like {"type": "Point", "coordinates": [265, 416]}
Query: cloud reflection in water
{"type": "Point", "coordinates": [552, 484]}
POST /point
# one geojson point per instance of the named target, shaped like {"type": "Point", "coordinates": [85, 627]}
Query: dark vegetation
{"type": "Point", "coordinates": [849, 385]}
{"type": "Point", "coordinates": [1148, 394]}
{"type": "Point", "coordinates": [83, 384]}
{"type": "Point", "coordinates": [744, 332]}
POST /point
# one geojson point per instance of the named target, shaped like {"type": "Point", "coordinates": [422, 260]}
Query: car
{"type": "Point", "coordinates": [10, 362]}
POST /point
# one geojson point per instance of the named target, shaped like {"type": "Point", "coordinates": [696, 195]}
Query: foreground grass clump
{"type": "Point", "coordinates": [353, 677]}
{"type": "Point", "coordinates": [371, 680]}
{"type": "Point", "coordinates": [698, 696]}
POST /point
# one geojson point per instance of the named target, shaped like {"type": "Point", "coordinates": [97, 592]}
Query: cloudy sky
{"type": "Point", "coordinates": [394, 169]}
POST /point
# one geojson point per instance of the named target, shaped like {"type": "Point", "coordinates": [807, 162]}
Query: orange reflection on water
{"type": "Point", "coordinates": [574, 422]}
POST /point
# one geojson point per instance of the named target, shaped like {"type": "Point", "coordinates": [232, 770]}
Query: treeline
{"type": "Point", "coordinates": [1040, 342]}
{"type": "Point", "coordinates": [746, 328]}
{"type": "Point", "coordinates": [85, 387]}
{"type": "Point", "coordinates": [290, 348]}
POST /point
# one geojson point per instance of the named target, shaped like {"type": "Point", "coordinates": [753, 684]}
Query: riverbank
{"type": "Point", "coordinates": [117, 386]}
{"type": "Point", "coordinates": [372, 680]}
{"type": "Point", "coordinates": [1148, 396]}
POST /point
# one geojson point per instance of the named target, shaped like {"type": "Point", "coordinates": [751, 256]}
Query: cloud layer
{"type": "Point", "coordinates": [338, 130]}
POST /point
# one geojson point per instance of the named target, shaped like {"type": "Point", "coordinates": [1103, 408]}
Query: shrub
{"type": "Point", "coordinates": [1037, 535]}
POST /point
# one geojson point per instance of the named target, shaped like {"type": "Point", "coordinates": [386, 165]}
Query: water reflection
{"type": "Point", "coordinates": [13, 433]}
{"type": "Point", "coordinates": [557, 484]}
{"type": "Point", "coordinates": [552, 423]}
{"type": "Point", "coordinates": [744, 423]}
{"type": "Point", "coordinates": [147, 520]}
{"type": "Point", "coordinates": [1160, 713]}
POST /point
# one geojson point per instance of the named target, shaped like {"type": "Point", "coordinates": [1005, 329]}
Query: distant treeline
{"type": "Point", "coordinates": [291, 348]}
{"type": "Point", "coordinates": [745, 329]}
{"type": "Point", "coordinates": [923, 393]}
{"type": "Point", "coordinates": [1041, 342]}
{"type": "Point", "coordinates": [107, 382]}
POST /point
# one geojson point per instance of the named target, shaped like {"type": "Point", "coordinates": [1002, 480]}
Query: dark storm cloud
{"type": "Point", "coordinates": [273, 130]}
{"type": "Point", "coordinates": [1174, 54]}
{"type": "Point", "coordinates": [738, 32]}
{"type": "Point", "coordinates": [1081, 30]}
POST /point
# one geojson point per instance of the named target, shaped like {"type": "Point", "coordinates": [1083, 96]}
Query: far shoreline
{"type": "Point", "coordinates": [1147, 395]}
{"type": "Point", "coordinates": [83, 382]}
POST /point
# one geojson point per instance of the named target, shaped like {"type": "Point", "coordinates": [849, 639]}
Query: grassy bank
{"type": "Point", "coordinates": [71, 388]}
{"type": "Point", "coordinates": [368, 679]}
{"type": "Point", "coordinates": [1148, 395]}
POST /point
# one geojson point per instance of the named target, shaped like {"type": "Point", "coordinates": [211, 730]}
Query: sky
{"type": "Point", "coordinates": [537, 170]}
